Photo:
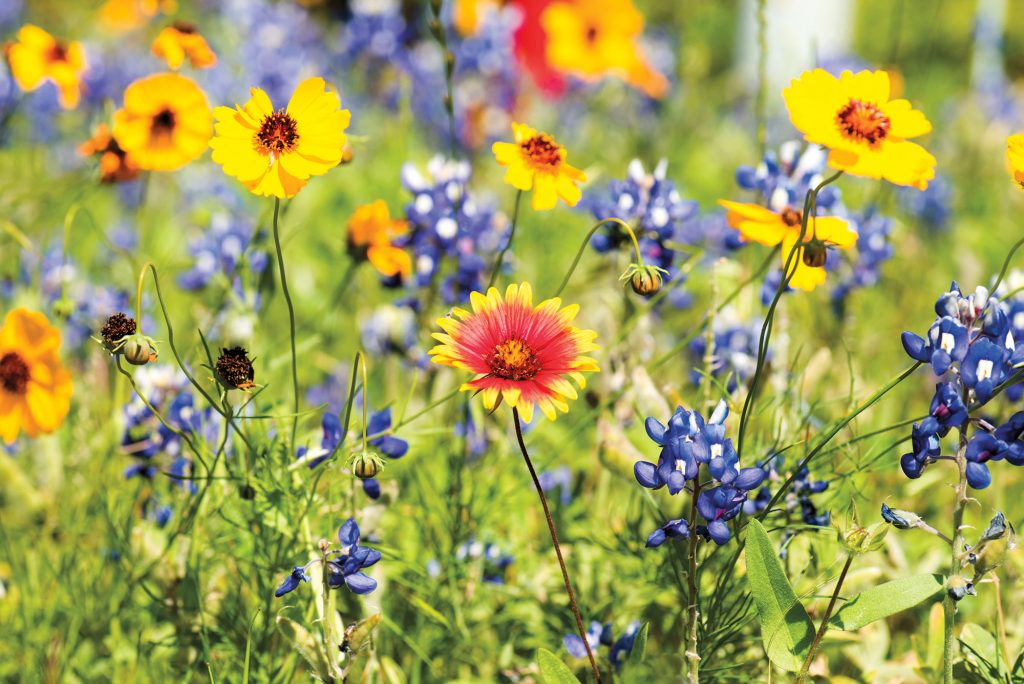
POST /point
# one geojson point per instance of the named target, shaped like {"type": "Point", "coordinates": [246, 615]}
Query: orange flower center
{"type": "Point", "coordinates": [541, 150]}
{"type": "Point", "coordinates": [278, 134]}
{"type": "Point", "coordinates": [513, 360]}
{"type": "Point", "coordinates": [863, 122]}
{"type": "Point", "coordinates": [791, 217]}
{"type": "Point", "coordinates": [13, 373]}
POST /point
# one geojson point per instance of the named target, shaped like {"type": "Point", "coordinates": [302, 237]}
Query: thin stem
{"type": "Point", "coordinates": [586, 241]}
{"type": "Point", "coordinates": [508, 244]}
{"type": "Point", "coordinates": [365, 399]}
{"type": "Point", "coordinates": [291, 323]}
{"type": "Point", "coordinates": [138, 293]}
{"type": "Point", "coordinates": [816, 644]}
{"type": "Point", "coordinates": [692, 614]}
{"type": "Point", "coordinates": [1001, 624]}
{"type": "Point", "coordinates": [554, 541]}
{"type": "Point", "coordinates": [948, 604]}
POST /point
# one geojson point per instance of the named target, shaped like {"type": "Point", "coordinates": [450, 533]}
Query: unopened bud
{"type": "Point", "coordinates": [366, 464]}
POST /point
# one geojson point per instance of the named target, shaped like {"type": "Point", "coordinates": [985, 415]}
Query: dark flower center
{"type": "Point", "coordinates": [183, 27]}
{"type": "Point", "coordinates": [278, 134]}
{"type": "Point", "coordinates": [235, 369]}
{"type": "Point", "coordinates": [163, 123]}
{"type": "Point", "coordinates": [513, 360]}
{"type": "Point", "coordinates": [117, 327]}
{"type": "Point", "coordinates": [58, 53]}
{"type": "Point", "coordinates": [542, 150]}
{"type": "Point", "coordinates": [863, 122]}
{"type": "Point", "coordinates": [13, 373]}
{"type": "Point", "coordinates": [591, 34]}
{"type": "Point", "coordinates": [791, 217]}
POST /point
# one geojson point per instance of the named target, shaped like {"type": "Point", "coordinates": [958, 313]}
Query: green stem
{"type": "Point", "coordinates": [365, 398]}
{"type": "Point", "coordinates": [554, 541]}
{"type": "Point", "coordinates": [138, 293]}
{"type": "Point", "coordinates": [816, 644]}
{"type": "Point", "coordinates": [496, 271]}
{"type": "Point", "coordinates": [586, 241]}
{"type": "Point", "coordinates": [291, 323]}
{"type": "Point", "coordinates": [692, 614]}
{"type": "Point", "coordinates": [948, 604]}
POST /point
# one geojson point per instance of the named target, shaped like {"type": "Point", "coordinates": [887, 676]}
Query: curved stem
{"type": "Point", "coordinates": [291, 322]}
{"type": "Point", "coordinates": [816, 644]}
{"type": "Point", "coordinates": [1006, 263]}
{"type": "Point", "coordinates": [138, 293]}
{"type": "Point", "coordinates": [554, 541]}
{"type": "Point", "coordinates": [508, 245]}
{"type": "Point", "coordinates": [586, 241]}
{"type": "Point", "coordinates": [366, 401]}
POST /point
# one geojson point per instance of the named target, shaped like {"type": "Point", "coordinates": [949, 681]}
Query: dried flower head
{"type": "Point", "coordinates": [234, 369]}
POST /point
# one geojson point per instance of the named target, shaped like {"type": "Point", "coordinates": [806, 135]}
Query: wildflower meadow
{"type": "Point", "coordinates": [511, 341]}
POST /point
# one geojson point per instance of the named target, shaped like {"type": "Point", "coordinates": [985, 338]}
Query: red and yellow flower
{"type": "Point", "coordinates": [370, 233]}
{"type": "Point", "coordinates": [521, 353]}
{"type": "Point", "coordinates": [165, 122]}
{"type": "Point", "coordinates": [35, 388]}
{"type": "Point", "coordinates": [536, 162]}
{"type": "Point", "coordinates": [181, 41]}
{"type": "Point", "coordinates": [866, 132]}
{"type": "Point", "coordinates": [592, 39]}
{"type": "Point", "coordinates": [1015, 157]}
{"type": "Point", "coordinates": [115, 164]}
{"type": "Point", "coordinates": [37, 57]}
{"type": "Point", "coordinates": [274, 152]}
{"type": "Point", "coordinates": [759, 224]}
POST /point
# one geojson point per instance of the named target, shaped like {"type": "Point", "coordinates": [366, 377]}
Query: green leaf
{"type": "Point", "coordinates": [306, 644]}
{"type": "Point", "coordinates": [885, 600]}
{"type": "Point", "coordinates": [553, 670]}
{"type": "Point", "coordinates": [786, 630]}
{"type": "Point", "coordinates": [639, 646]}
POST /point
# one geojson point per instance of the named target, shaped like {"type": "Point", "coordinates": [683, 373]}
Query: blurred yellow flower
{"type": "Point", "coordinates": [1015, 157]}
{"type": "Point", "coordinates": [592, 39]}
{"type": "Point", "coordinates": [865, 131]}
{"type": "Point", "coordinates": [37, 57]}
{"type": "Point", "coordinates": [759, 224]}
{"type": "Point", "coordinates": [274, 152]}
{"type": "Point", "coordinates": [536, 162]}
{"type": "Point", "coordinates": [124, 15]}
{"type": "Point", "coordinates": [370, 231]}
{"type": "Point", "coordinates": [179, 41]}
{"type": "Point", "coordinates": [468, 14]}
{"type": "Point", "coordinates": [35, 388]}
{"type": "Point", "coordinates": [165, 122]}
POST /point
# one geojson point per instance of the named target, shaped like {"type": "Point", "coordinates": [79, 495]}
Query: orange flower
{"type": "Point", "coordinates": [35, 388]}
{"type": "Point", "coordinates": [124, 15]}
{"type": "Point", "coordinates": [536, 162]}
{"type": "Point", "coordinates": [370, 231]}
{"type": "Point", "coordinates": [179, 41]}
{"type": "Point", "coordinates": [521, 353]}
{"type": "Point", "coordinates": [115, 164]}
{"type": "Point", "coordinates": [38, 57]}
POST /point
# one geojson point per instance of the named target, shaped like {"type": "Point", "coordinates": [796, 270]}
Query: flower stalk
{"type": "Point", "coordinates": [291, 323]}
{"type": "Point", "coordinates": [820, 634]}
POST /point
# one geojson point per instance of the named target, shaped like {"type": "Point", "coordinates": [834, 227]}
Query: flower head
{"type": "Point", "coordinates": [234, 369]}
{"type": "Point", "coordinates": [866, 132]}
{"type": "Point", "coordinates": [762, 225]}
{"type": "Point", "coordinates": [1015, 157]}
{"type": "Point", "coordinates": [521, 353]}
{"type": "Point", "coordinates": [536, 162]}
{"type": "Point", "coordinates": [274, 152]}
{"type": "Point", "coordinates": [35, 388]}
{"type": "Point", "coordinates": [37, 57]}
{"type": "Point", "coordinates": [181, 41]}
{"type": "Point", "coordinates": [370, 233]}
{"type": "Point", "coordinates": [115, 164]}
{"type": "Point", "coordinates": [592, 39]}
{"type": "Point", "coordinates": [165, 122]}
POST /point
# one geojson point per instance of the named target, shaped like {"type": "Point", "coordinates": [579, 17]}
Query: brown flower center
{"type": "Point", "coordinates": [791, 217]}
{"type": "Point", "coordinates": [513, 360]}
{"type": "Point", "coordinates": [58, 53]}
{"type": "Point", "coordinates": [591, 34]}
{"type": "Point", "coordinates": [235, 369]}
{"type": "Point", "coordinates": [863, 122]}
{"type": "Point", "coordinates": [163, 124]}
{"type": "Point", "coordinates": [541, 150]}
{"type": "Point", "coordinates": [13, 373]}
{"type": "Point", "coordinates": [184, 27]}
{"type": "Point", "coordinates": [278, 134]}
{"type": "Point", "coordinates": [117, 327]}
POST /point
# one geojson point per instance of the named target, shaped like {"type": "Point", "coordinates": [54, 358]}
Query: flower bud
{"type": "Point", "coordinates": [901, 520]}
{"type": "Point", "coordinates": [139, 350]}
{"type": "Point", "coordinates": [958, 588]}
{"type": "Point", "coordinates": [366, 464]}
{"type": "Point", "coordinates": [858, 540]}
{"type": "Point", "coordinates": [645, 280]}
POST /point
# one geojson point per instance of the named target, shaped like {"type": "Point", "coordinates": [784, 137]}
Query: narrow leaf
{"type": "Point", "coordinates": [639, 645]}
{"type": "Point", "coordinates": [553, 670]}
{"type": "Point", "coordinates": [885, 600]}
{"type": "Point", "coordinates": [786, 630]}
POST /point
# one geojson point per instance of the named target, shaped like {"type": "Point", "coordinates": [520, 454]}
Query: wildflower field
{"type": "Point", "coordinates": [511, 341]}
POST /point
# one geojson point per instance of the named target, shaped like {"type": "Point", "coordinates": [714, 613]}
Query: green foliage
{"type": "Point", "coordinates": [553, 670]}
{"type": "Point", "coordinates": [885, 600]}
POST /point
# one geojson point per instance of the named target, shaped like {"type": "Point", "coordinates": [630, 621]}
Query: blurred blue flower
{"type": "Point", "coordinates": [219, 251]}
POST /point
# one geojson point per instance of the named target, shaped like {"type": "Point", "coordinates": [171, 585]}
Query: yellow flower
{"type": "Point", "coordinates": [468, 14]}
{"type": "Point", "coordinates": [758, 224]}
{"type": "Point", "coordinates": [1015, 157]}
{"type": "Point", "coordinates": [124, 15]}
{"type": "Point", "coordinates": [35, 388]}
{"type": "Point", "coordinates": [591, 39]}
{"type": "Point", "coordinates": [180, 40]}
{"type": "Point", "coordinates": [274, 152]}
{"type": "Point", "coordinates": [370, 231]}
{"type": "Point", "coordinates": [535, 161]}
{"type": "Point", "coordinates": [865, 131]}
{"type": "Point", "coordinates": [165, 122]}
{"type": "Point", "coordinates": [38, 57]}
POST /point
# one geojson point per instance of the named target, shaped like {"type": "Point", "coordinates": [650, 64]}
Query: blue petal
{"type": "Point", "coordinates": [348, 533]}
{"type": "Point", "coordinates": [574, 645]}
{"type": "Point", "coordinates": [978, 476]}
{"type": "Point", "coordinates": [656, 431]}
{"type": "Point", "coordinates": [656, 538]}
{"type": "Point", "coordinates": [915, 346]}
{"type": "Point", "coordinates": [372, 488]}
{"type": "Point", "coordinates": [749, 478]}
{"type": "Point", "coordinates": [359, 583]}
{"type": "Point", "coordinates": [719, 532]}
{"type": "Point", "coordinates": [646, 474]}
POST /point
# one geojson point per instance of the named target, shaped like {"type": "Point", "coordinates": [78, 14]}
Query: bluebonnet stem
{"type": "Point", "coordinates": [602, 635]}
{"type": "Point", "coordinates": [688, 443]}
{"type": "Point", "coordinates": [447, 222]}
{"type": "Point", "coordinates": [344, 565]}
